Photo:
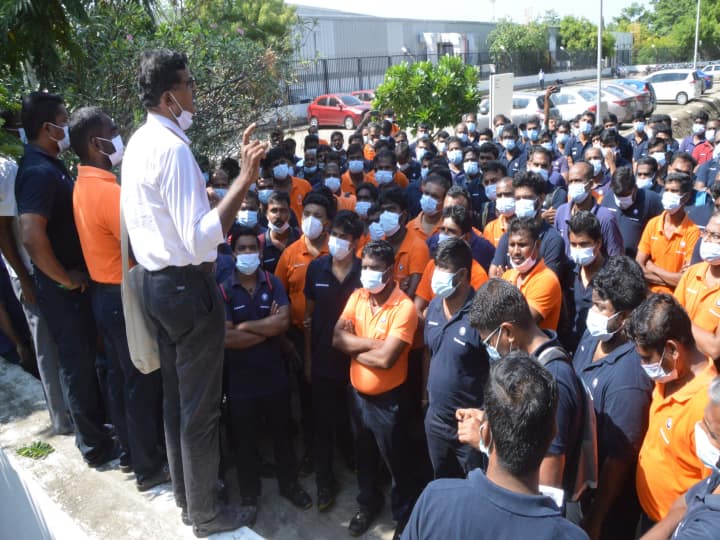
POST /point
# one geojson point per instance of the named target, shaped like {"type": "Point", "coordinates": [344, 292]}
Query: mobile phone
{"type": "Point", "coordinates": [555, 90]}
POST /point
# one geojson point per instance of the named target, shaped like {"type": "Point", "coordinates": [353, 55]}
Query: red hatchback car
{"type": "Point", "coordinates": [336, 110]}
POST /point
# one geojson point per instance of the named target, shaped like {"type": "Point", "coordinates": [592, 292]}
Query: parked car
{"type": "Point", "coordinates": [336, 110]}
{"type": "Point", "coordinates": [621, 101]}
{"type": "Point", "coordinates": [646, 93]}
{"type": "Point", "coordinates": [365, 96]}
{"type": "Point", "coordinates": [712, 69]}
{"type": "Point", "coordinates": [573, 100]}
{"type": "Point", "coordinates": [678, 85]}
{"type": "Point", "coordinates": [525, 105]}
{"type": "Point", "coordinates": [707, 78]}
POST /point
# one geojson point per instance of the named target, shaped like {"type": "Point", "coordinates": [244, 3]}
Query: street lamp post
{"type": "Point", "coordinates": [598, 113]}
{"type": "Point", "coordinates": [697, 32]}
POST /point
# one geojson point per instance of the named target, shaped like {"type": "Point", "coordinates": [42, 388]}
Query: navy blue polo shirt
{"type": "Point", "coordinates": [707, 172]}
{"type": "Point", "coordinates": [224, 266]}
{"type": "Point", "coordinates": [632, 220]}
{"type": "Point", "coordinates": [702, 517]}
{"type": "Point", "coordinates": [482, 249]}
{"type": "Point", "coordinates": [639, 149]}
{"type": "Point", "coordinates": [413, 194]}
{"type": "Point", "coordinates": [478, 197]}
{"type": "Point", "coordinates": [570, 411]}
{"type": "Point", "coordinates": [621, 393]}
{"type": "Point", "coordinates": [44, 186]}
{"type": "Point", "coordinates": [552, 251]}
{"type": "Point", "coordinates": [458, 178]}
{"type": "Point", "coordinates": [700, 214]}
{"type": "Point", "coordinates": [330, 297]}
{"type": "Point", "coordinates": [413, 170]}
{"type": "Point", "coordinates": [611, 236]}
{"type": "Point", "coordinates": [577, 150]}
{"type": "Point", "coordinates": [459, 363]}
{"type": "Point", "coordinates": [578, 300]}
{"type": "Point", "coordinates": [270, 253]}
{"type": "Point", "coordinates": [258, 370]}
{"type": "Point", "coordinates": [516, 163]}
{"type": "Point", "coordinates": [475, 507]}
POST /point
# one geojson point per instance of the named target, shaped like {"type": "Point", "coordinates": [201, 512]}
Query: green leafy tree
{"type": "Point", "coordinates": [579, 34]}
{"type": "Point", "coordinates": [519, 47]}
{"type": "Point", "coordinates": [437, 94]}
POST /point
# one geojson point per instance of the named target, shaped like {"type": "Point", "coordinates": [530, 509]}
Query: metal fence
{"type": "Point", "coordinates": [312, 78]}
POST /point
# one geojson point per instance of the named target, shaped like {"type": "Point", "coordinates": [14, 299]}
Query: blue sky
{"type": "Point", "coordinates": [474, 10]}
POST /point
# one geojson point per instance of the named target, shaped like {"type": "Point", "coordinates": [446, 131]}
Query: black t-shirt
{"type": "Point", "coordinates": [44, 186]}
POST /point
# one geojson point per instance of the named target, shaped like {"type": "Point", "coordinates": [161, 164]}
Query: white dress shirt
{"type": "Point", "coordinates": [166, 207]}
{"type": "Point", "coordinates": [8, 208]}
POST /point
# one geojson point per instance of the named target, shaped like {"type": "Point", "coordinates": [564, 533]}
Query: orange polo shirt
{"type": "Point", "coordinates": [415, 225]}
{"type": "Point", "coordinates": [96, 206]}
{"type": "Point", "coordinates": [368, 152]}
{"type": "Point", "coordinates": [346, 183]}
{"type": "Point", "coordinates": [396, 317]}
{"type": "Point", "coordinates": [291, 270]}
{"type": "Point", "coordinates": [667, 464]}
{"type": "Point", "coordinates": [478, 276]}
{"type": "Point", "coordinates": [701, 302]}
{"type": "Point", "coordinates": [399, 178]}
{"type": "Point", "coordinates": [346, 201]}
{"type": "Point", "coordinates": [671, 254]}
{"type": "Point", "coordinates": [542, 291]}
{"type": "Point", "coordinates": [495, 229]}
{"type": "Point", "coordinates": [300, 188]}
{"type": "Point", "coordinates": [411, 258]}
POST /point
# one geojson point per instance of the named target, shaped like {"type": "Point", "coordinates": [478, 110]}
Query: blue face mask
{"type": "Point", "coordinates": [562, 138]}
{"type": "Point", "coordinates": [355, 166]}
{"type": "Point", "coordinates": [383, 177]}
{"type": "Point", "coordinates": [310, 170]}
{"type": "Point", "coordinates": [585, 128]}
{"type": "Point", "coordinates": [533, 134]}
{"type": "Point", "coordinates": [221, 192]}
{"type": "Point", "coordinates": [424, 172]}
{"type": "Point", "coordinates": [248, 218]}
{"type": "Point", "coordinates": [509, 144]}
{"type": "Point", "coordinates": [264, 195]}
{"type": "Point", "coordinates": [281, 171]}
{"type": "Point", "coordinates": [547, 146]}
{"type": "Point", "coordinates": [491, 191]}
{"type": "Point", "coordinates": [428, 205]}
{"type": "Point", "coordinates": [471, 168]}
{"type": "Point", "coordinates": [206, 176]}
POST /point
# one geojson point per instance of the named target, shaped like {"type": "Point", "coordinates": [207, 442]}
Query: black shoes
{"type": "Point", "coordinates": [326, 498]}
{"type": "Point", "coordinates": [364, 517]}
{"type": "Point", "coordinates": [162, 476]}
{"type": "Point", "coordinates": [185, 517]}
{"type": "Point", "coordinates": [104, 458]}
{"type": "Point", "coordinates": [228, 519]}
{"type": "Point", "coordinates": [298, 496]}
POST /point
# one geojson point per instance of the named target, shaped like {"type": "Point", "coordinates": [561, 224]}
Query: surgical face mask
{"type": "Point", "coordinates": [575, 131]}
{"type": "Point", "coordinates": [533, 134]}
{"type": "Point", "coordinates": [505, 205]}
{"type": "Point", "coordinates": [596, 165]}
{"type": "Point", "coordinates": [372, 280]}
{"type": "Point", "coordinates": [471, 126]}
{"type": "Point", "coordinates": [116, 156]}
{"type": "Point", "coordinates": [659, 157]}
{"type": "Point", "coordinates": [705, 450]}
{"type": "Point", "coordinates": [403, 166]}
{"type": "Point", "coordinates": [454, 157]}
{"type": "Point", "coordinates": [424, 171]}
{"type": "Point", "coordinates": [420, 153]}
{"type": "Point", "coordinates": [248, 218]}
{"type": "Point", "coordinates": [338, 248]}
{"type": "Point", "coordinates": [362, 207]}
{"type": "Point", "coordinates": [710, 135]}
{"type": "Point", "coordinates": [441, 146]}
{"type": "Point", "coordinates": [547, 146]}
{"type": "Point", "coordinates": [644, 183]}
{"type": "Point", "coordinates": [247, 263]}
{"type": "Point", "coordinates": [657, 373]}
{"type": "Point", "coordinates": [185, 119]}
{"type": "Point", "coordinates": [264, 195]}
{"type": "Point", "coordinates": [597, 145]}
{"type": "Point", "coordinates": [64, 143]}
{"type": "Point", "coordinates": [525, 208]}
{"type": "Point", "coordinates": [710, 252]}
{"type": "Point", "coordinates": [463, 137]}
{"type": "Point", "coordinates": [499, 130]}
{"type": "Point", "coordinates": [492, 351]}
{"type": "Point", "coordinates": [442, 237]}
{"type": "Point", "coordinates": [509, 144]}
{"type": "Point", "coordinates": [582, 256]}
{"type": "Point", "coordinates": [281, 171]}
{"type": "Point", "coordinates": [577, 192]}
{"type": "Point", "coordinates": [639, 127]}
{"type": "Point", "coordinates": [585, 127]}
{"type": "Point", "coordinates": [542, 172]}
{"type": "Point", "coordinates": [356, 166]}
{"type": "Point", "coordinates": [441, 283]}
{"type": "Point", "coordinates": [312, 227]}
{"type": "Point", "coordinates": [650, 132]}
{"type": "Point", "coordinates": [383, 177]}
{"type": "Point", "coordinates": [672, 202]}
{"type": "Point", "coordinates": [562, 138]}
{"type": "Point", "coordinates": [376, 231]}
{"type": "Point", "coordinates": [22, 135]}
{"type": "Point", "coordinates": [278, 229]}
{"type": "Point", "coordinates": [310, 170]}
{"type": "Point", "coordinates": [491, 191]}
{"type": "Point", "coordinates": [471, 168]}
{"type": "Point", "coordinates": [698, 129]}
{"type": "Point", "coordinates": [332, 183]}
{"type": "Point", "coordinates": [597, 325]}
{"type": "Point", "coordinates": [428, 205]}
{"type": "Point", "coordinates": [220, 192]}
{"type": "Point", "coordinates": [524, 266]}
{"type": "Point", "coordinates": [623, 203]}
{"type": "Point", "coordinates": [390, 222]}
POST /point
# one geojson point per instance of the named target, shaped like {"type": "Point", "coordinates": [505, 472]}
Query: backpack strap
{"type": "Point", "coordinates": [268, 280]}
{"type": "Point", "coordinates": [552, 353]}
{"type": "Point", "coordinates": [224, 293]}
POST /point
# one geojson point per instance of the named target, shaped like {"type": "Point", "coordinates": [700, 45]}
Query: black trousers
{"type": "Point", "coordinates": [304, 390]}
{"type": "Point", "coordinates": [332, 423]}
{"type": "Point", "coordinates": [134, 399]}
{"type": "Point", "coordinates": [449, 458]}
{"type": "Point", "coordinates": [380, 429]}
{"type": "Point", "coordinates": [186, 306]}
{"type": "Point", "coordinates": [243, 416]}
{"type": "Point", "coordinates": [69, 318]}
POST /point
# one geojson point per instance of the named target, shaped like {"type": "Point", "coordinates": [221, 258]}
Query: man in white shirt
{"type": "Point", "coordinates": [174, 236]}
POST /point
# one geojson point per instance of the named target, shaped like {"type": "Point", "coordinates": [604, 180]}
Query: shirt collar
{"type": "Point", "coordinates": [159, 120]}
{"type": "Point", "coordinates": [260, 274]}
{"type": "Point", "coordinates": [88, 171]}
{"type": "Point", "coordinates": [393, 300]}
{"type": "Point", "coordinates": [613, 356]}
{"type": "Point", "coordinates": [517, 503]}
{"type": "Point", "coordinates": [697, 384]}
{"type": "Point", "coordinates": [680, 230]}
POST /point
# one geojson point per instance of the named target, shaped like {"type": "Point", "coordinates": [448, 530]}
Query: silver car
{"type": "Point", "coordinates": [525, 105]}
{"type": "Point", "coordinates": [621, 101]}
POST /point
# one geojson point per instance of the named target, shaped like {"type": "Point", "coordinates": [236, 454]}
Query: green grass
{"type": "Point", "coordinates": [37, 450]}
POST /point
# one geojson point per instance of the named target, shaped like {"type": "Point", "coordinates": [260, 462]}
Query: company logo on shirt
{"type": "Point", "coordinates": [668, 423]}
{"type": "Point", "coordinates": [462, 331]}
{"type": "Point", "coordinates": [264, 297]}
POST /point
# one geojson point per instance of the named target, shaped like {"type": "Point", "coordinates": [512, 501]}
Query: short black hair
{"type": "Point", "coordinates": [530, 180]}
{"type": "Point", "coordinates": [350, 223]}
{"type": "Point", "coordinates": [394, 195]}
{"type": "Point", "coordinates": [621, 282]}
{"type": "Point", "coordinates": [241, 230]}
{"type": "Point", "coordinates": [253, 196]}
{"type": "Point", "coordinates": [372, 188]}
{"type": "Point", "coordinates": [623, 180]}
{"type": "Point", "coordinates": [381, 250]}
{"type": "Point", "coordinates": [648, 161]}
{"type": "Point", "coordinates": [659, 318]}
{"type": "Point", "coordinates": [354, 148]}
{"type": "Point", "coordinates": [385, 154]}
{"type": "Point", "coordinates": [525, 224]}
{"type": "Point", "coordinates": [231, 167]}
{"type": "Point", "coordinates": [498, 301]}
{"type": "Point", "coordinates": [158, 73]}
{"type": "Point", "coordinates": [701, 115]}
{"type": "Point", "coordinates": [273, 155]}
{"type": "Point", "coordinates": [311, 140]}
{"type": "Point", "coordinates": [435, 177]}
{"type": "Point", "coordinates": [85, 123]}
{"type": "Point", "coordinates": [652, 143]}
{"type": "Point", "coordinates": [585, 222]}
{"type": "Point", "coordinates": [454, 254]}
{"type": "Point", "coordinates": [590, 114]}
{"type": "Point", "coordinates": [520, 403]}
{"type": "Point", "coordinates": [470, 149]}
{"type": "Point", "coordinates": [459, 191]}
{"type": "Point", "coordinates": [279, 197]}
{"type": "Point", "coordinates": [460, 216]}
{"type": "Point", "coordinates": [319, 196]}
{"type": "Point", "coordinates": [683, 156]}
{"type": "Point", "coordinates": [510, 129]}
{"type": "Point", "coordinates": [537, 149]}
{"type": "Point", "coordinates": [38, 108]}
{"type": "Point", "coordinates": [489, 148]}
{"type": "Point", "coordinates": [608, 136]}
{"type": "Point", "coordinates": [685, 181]}
{"type": "Point", "coordinates": [495, 166]}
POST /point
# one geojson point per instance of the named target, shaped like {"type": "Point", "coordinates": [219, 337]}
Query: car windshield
{"type": "Point", "coordinates": [350, 100]}
{"type": "Point", "coordinates": [587, 95]}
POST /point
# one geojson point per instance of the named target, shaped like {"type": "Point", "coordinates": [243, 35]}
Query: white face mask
{"type": "Point", "coordinates": [278, 229]}
{"type": "Point", "coordinates": [705, 450]}
{"type": "Point", "coordinates": [64, 143]}
{"type": "Point", "coordinates": [247, 263]}
{"type": "Point", "coordinates": [644, 183]}
{"type": "Point", "coordinates": [312, 227]}
{"type": "Point", "coordinates": [671, 201]}
{"type": "Point", "coordinates": [441, 283]}
{"type": "Point", "coordinates": [248, 218]}
{"type": "Point", "coordinates": [376, 231]}
{"type": "Point", "coordinates": [362, 207]}
{"type": "Point", "coordinates": [372, 280]}
{"type": "Point", "coordinates": [597, 325]}
{"type": "Point", "coordinates": [657, 373]}
{"type": "Point", "coordinates": [525, 208]}
{"type": "Point", "coordinates": [338, 248]}
{"type": "Point", "coordinates": [623, 203]}
{"type": "Point", "coordinates": [505, 205]}
{"type": "Point", "coordinates": [116, 156]}
{"type": "Point", "coordinates": [390, 222]}
{"type": "Point", "coordinates": [582, 256]}
{"type": "Point", "coordinates": [577, 192]}
{"type": "Point", "coordinates": [710, 252]}
{"type": "Point", "coordinates": [524, 266]}
{"type": "Point", "coordinates": [185, 119]}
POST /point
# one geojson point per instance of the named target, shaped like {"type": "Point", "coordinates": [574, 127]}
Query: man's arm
{"type": "Point", "coordinates": [665, 528]}
{"type": "Point", "coordinates": [345, 340]}
{"type": "Point", "coordinates": [611, 482]}
{"type": "Point", "coordinates": [239, 339]}
{"type": "Point", "coordinates": [643, 259]}
{"type": "Point", "coordinates": [411, 284]}
{"type": "Point", "coordinates": [551, 470]}
{"type": "Point", "coordinates": [273, 325]}
{"type": "Point", "coordinates": [307, 332]}
{"type": "Point", "coordinates": [385, 356]}
{"type": "Point", "coordinates": [9, 248]}
{"type": "Point", "coordinates": [707, 342]}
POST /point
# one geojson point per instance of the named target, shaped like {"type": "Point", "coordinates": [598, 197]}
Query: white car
{"type": "Point", "coordinates": [525, 105]}
{"type": "Point", "coordinates": [678, 85]}
{"type": "Point", "coordinates": [572, 101]}
{"type": "Point", "coordinates": [712, 69]}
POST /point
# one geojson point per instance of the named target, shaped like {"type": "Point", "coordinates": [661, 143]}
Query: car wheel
{"type": "Point", "coordinates": [349, 122]}
{"type": "Point", "coordinates": [314, 121]}
{"type": "Point", "coordinates": [681, 98]}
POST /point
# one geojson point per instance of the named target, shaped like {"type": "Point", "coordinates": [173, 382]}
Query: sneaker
{"type": "Point", "coordinates": [185, 517]}
{"type": "Point", "coordinates": [228, 519]}
{"type": "Point", "coordinates": [125, 463]}
{"type": "Point", "coordinates": [250, 505]}
{"type": "Point", "coordinates": [362, 520]}
{"type": "Point", "coordinates": [326, 498]}
{"type": "Point", "coordinates": [102, 459]}
{"type": "Point", "coordinates": [298, 496]}
{"type": "Point", "coordinates": [162, 476]}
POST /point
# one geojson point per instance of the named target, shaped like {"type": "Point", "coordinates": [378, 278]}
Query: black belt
{"type": "Point", "coordinates": [205, 268]}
